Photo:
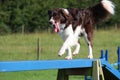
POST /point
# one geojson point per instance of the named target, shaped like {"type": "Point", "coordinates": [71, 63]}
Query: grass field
{"type": "Point", "coordinates": [24, 47]}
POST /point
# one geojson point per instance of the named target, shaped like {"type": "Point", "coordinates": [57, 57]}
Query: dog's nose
{"type": "Point", "coordinates": [50, 22]}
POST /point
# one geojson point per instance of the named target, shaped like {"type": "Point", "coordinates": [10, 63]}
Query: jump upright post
{"type": "Point", "coordinates": [118, 58]}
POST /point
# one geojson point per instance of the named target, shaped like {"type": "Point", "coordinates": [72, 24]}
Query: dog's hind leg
{"type": "Point", "coordinates": [88, 38]}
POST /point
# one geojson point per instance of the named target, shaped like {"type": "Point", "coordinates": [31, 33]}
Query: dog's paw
{"type": "Point", "coordinates": [90, 57]}
{"type": "Point", "coordinates": [60, 54]}
{"type": "Point", "coordinates": [75, 53]}
{"type": "Point", "coordinates": [68, 57]}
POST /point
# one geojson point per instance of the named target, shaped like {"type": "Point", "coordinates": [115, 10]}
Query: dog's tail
{"type": "Point", "coordinates": [102, 10]}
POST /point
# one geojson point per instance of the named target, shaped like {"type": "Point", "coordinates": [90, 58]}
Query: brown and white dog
{"type": "Point", "coordinates": [70, 23]}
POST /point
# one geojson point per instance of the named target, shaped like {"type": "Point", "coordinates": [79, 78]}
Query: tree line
{"type": "Point", "coordinates": [32, 15]}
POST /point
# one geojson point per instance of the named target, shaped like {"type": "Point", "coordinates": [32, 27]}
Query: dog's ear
{"type": "Point", "coordinates": [49, 12]}
{"type": "Point", "coordinates": [66, 13]}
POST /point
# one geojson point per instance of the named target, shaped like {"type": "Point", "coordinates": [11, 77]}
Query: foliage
{"type": "Point", "coordinates": [32, 14]}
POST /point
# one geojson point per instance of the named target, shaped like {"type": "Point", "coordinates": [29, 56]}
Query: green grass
{"type": "Point", "coordinates": [24, 47]}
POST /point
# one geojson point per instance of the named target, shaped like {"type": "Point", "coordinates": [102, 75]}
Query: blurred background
{"type": "Point", "coordinates": [28, 16]}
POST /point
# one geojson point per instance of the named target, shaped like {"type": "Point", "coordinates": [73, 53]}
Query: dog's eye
{"type": "Point", "coordinates": [55, 14]}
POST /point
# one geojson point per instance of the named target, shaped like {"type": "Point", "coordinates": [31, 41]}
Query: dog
{"type": "Point", "coordinates": [70, 23]}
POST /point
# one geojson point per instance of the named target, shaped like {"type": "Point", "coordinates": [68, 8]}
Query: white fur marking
{"type": "Point", "coordinates": [90, 56]}
{"type": "Point", "coordinates": [77, 32]}
{"type": "Point", "coordinates": [67, 32]}
{"type": "Point", "coordinates": [66, 11]}
{"type": "Point", "coordinates": [52, 20]}
{"type": "Point", "coordinates": [109, 6]}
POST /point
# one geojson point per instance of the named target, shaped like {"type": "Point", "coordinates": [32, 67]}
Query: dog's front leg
{"type": "Point", "coordinates": [76, 51]}
{"type": "Point", "coordinates": [67, 46]}
{"type": "Point", "coordinates": [69, 56]}
{"type": "Point", "coordinates": [62, 49]}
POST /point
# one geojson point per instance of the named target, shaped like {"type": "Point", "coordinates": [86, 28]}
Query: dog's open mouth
{"type": "Point", "coordinates": [57, 26]}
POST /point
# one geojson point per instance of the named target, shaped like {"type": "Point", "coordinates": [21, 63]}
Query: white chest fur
{"type": "Point", "coordinates": [64, 33]}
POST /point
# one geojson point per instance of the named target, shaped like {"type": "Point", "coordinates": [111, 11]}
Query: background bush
{"type": "Point", "coordinates": [31, 15]}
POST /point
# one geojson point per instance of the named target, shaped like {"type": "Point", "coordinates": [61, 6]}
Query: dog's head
{"type": "Point", "coordinates": [57, 17]}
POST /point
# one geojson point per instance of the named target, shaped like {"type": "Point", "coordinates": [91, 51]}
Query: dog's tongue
{"type": "Point", "coordinates": [57, 28]}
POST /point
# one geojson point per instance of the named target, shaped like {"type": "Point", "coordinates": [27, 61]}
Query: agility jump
{"type": "Point", "coordinates": [87, 67]}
